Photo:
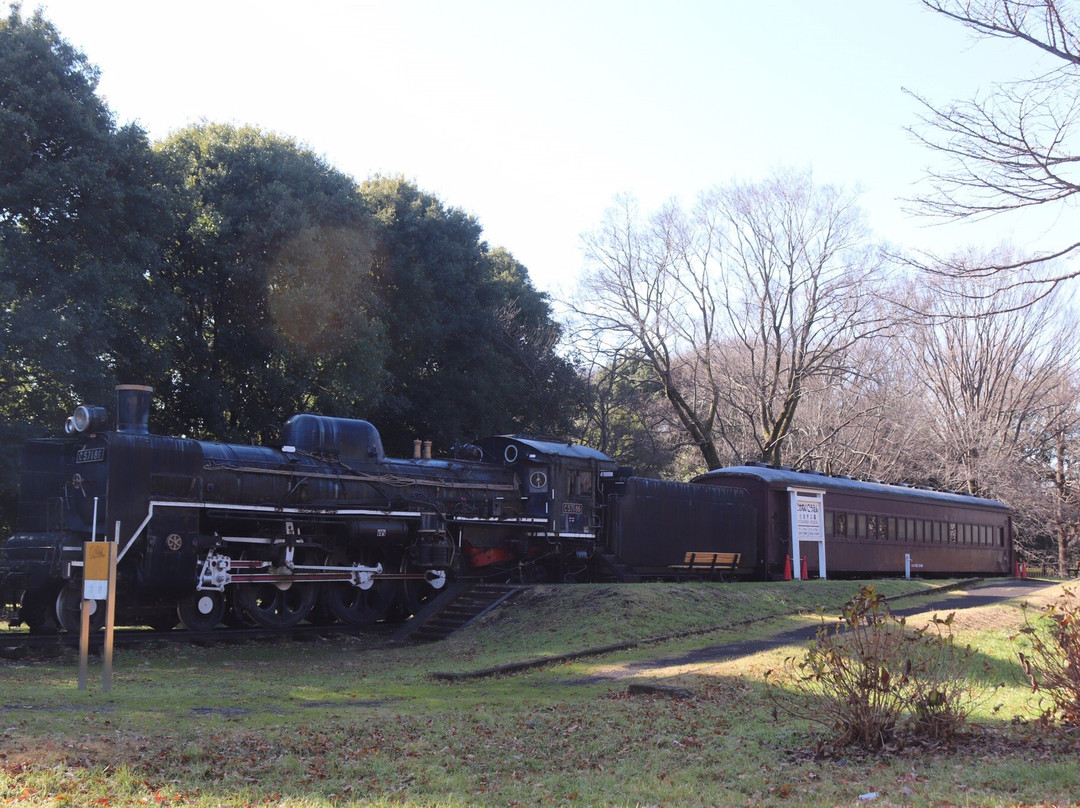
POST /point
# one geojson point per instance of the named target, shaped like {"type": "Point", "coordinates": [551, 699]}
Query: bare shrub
{"type": "Point", "coordinates": [941, 692]}
{"type": "Point", "coordinates": [1053, 666]}
{"type": "Point", "coordinates": [868, 677]}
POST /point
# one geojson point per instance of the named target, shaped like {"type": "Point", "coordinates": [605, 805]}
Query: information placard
{"type": "Point", "coordinates": [809, 518]}
{"type": "Point", "coordinates": [95, 570]}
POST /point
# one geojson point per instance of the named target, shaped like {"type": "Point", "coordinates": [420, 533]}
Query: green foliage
{"type": "Point", "coordinates": [81, 224]}
{"type": "Point", "coordinates": [1052, 664]}
{"type": "Point", "coordinates": [545, 392]}
{"type": "Point", "coordinates": [630, 419]}
{"type": "Point", "coordinates": [473, 342]}
{"type": "Point", "coordinates": [272, 266]}
{"type": "Point", "coordinates": [859, 679]}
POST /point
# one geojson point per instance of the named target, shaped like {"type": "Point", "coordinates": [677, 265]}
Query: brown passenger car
{"type": "Point", "coordinates": [870, 528]}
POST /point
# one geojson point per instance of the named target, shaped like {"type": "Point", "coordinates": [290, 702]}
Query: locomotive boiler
{"type": "Point", "coordinates": [326, 526]}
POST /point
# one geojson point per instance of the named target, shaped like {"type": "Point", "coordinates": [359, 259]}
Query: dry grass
{"type": "Point", "coordinates": [346, 722]}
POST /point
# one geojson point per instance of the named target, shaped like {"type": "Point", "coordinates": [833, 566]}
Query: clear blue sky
{"type": "Point", "coordinates": [532, 116]}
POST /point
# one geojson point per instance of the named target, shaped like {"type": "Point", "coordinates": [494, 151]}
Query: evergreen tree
{"type": "Point", "coordinates": [273, 268]}
{"type": "Point", "coordinates": [80, 226]}
{"type": "Point", "coordinates": [473, 341]}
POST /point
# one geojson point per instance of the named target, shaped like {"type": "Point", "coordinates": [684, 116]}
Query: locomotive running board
{"type": "Point", "coordinates": [214, 506]}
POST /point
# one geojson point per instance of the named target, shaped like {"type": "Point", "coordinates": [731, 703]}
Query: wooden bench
{"type": "Point", "coordinates": [707, 564]}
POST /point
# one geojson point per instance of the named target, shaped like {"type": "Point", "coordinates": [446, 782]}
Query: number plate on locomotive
{"type": "Point", "coordinates": [90, 455]}
{"type": "Point", "coordinates": [571, 507]}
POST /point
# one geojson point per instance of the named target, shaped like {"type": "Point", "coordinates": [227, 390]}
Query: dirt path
{"type": "Point", "coordinates": [985, 594]}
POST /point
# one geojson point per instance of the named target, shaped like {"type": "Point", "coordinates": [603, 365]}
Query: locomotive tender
{"type": "Point", "coordinates": [327, 527]}
{"type": "Point", "coordinates": [327, 524]}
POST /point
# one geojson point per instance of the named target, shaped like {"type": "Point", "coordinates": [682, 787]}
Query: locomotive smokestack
{"type": "Point", "coordinates": [133, 408]}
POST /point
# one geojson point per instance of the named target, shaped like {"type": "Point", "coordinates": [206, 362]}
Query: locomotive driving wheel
{"type": "Point", "coordinates": [201, 611]}
{"type": "Point", "coordinates": [355, 606]}
{"type": "Point", "coordinates": [69, 611]}
{"type": "Point", "coordinates": [37, 611]}
{"type": "Point", "coordinates": [413, 592]}
{"type": "Point", "coordinates": [270, 606]}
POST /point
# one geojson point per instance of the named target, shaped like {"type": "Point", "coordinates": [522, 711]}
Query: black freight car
{"type": "Point", "coordinates": [651, 524]}
{"type": "Point", "coordinates": [854, 527]}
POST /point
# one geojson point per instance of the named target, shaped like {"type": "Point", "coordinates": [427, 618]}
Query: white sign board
{"type": "Point", "coordinates": [807, 525]}
{"type": "Point", "coordinates": [809, 518]}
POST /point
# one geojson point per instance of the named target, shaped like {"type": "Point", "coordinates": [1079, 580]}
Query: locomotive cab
{"type": "Point", "coordinates": [558, 481]}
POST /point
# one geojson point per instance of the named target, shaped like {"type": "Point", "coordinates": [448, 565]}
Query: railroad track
{"type": "Point", "coordinates": [438, 619]}
{"type": "Point", "coordinates": [19, 644]}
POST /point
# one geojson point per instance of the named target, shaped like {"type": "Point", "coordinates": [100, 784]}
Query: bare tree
{"type": "Point", "coordinates": [629, 418]}
{"type": "Point", "coordinates": [1053, 508]}
{"type": "Point", "coordinates": [864, 424]}
{"type": "Point", "coordinates": [636, 300]}
{"type": "Point", "coordinates": [798, 291]}
{"type": "Point", "coordinates": [1014, 147]}
{"type": "Point", "coordinates": [737, 305]}
{"type": "Point", "coordinates": [990, 379]}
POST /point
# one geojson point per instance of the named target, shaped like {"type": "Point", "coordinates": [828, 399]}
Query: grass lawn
{"type": "Point", "coordinates": [362, 721]}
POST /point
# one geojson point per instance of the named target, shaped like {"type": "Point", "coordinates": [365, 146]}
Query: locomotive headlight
{"type": "Point", "coordinates": [87, 418]}
{"type": "Point", "coordinates": [81, 419]}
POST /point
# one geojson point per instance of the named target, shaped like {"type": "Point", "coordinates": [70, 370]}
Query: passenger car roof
{"type": "Point", "coordinates": [784, 476]}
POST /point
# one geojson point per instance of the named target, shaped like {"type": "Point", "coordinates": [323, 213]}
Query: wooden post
{"type": "Point", "coordinates": [99, 584]}
{"type": "Point", "coordinates": [110, 614]}
{"type": "Point", "coordinates": [84, 643]}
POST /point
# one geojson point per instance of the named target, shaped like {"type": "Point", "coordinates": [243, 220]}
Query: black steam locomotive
{"type": "Point", "coordinates": [325, 525]}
